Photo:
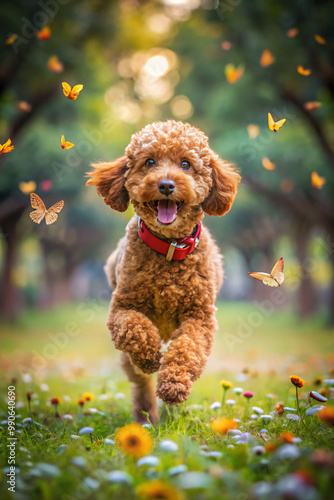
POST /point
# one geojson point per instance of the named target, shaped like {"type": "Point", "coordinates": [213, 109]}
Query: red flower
{"type": "Point", "coordinates": [248, 394]}
{"type": "Point", "coordinates": [55, 401]}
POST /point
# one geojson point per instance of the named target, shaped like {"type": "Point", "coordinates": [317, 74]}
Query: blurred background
{"type": "Point", "coordinates": [222, 66]}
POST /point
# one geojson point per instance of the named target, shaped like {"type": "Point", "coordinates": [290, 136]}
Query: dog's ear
{"type": "Point", "coordinates": [109, 179]}
{"type": "Point", "coordinates": [225, 179]}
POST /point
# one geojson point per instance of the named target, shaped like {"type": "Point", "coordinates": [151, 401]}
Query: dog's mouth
{"type": "Point", "coordinates": [166, 210]}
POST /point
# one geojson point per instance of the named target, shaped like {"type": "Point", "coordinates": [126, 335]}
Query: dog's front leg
{"type": "Point", "coordinates": [134, 333]}
{"type": "Point", "coordinates": [185, 359]}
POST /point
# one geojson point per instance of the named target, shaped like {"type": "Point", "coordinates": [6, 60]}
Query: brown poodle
{"type": "Point", "coordinates": [166, 272]}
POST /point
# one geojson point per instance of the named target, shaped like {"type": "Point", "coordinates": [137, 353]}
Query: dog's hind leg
{"type": "Point", "coordinates": [143, 392]}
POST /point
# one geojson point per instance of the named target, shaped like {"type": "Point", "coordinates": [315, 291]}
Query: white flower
{"type": "Point", "coordinates": [86, 430]}
{"type": "Point", "coordinates": [211, 454]}
{"type": "Point", "coordinates": [44, 387]}
{"type": "Point", "coordinates": [148, 461]}
{"type": "Point", "coordinates": [109, 441]}
{"type": "Point", "coordinates": [314, 409]}
{"type": "Point", "coordinates": [291, 416]}
{"type": "Point", "coordinates": [119, 395]}
{"type": "Point", "coordinates": [118, 476]}
{"type": "Point", "coordinates": [178, 469]}
{"type": "Point", "coordinates": [78, 461]}
{"type": "Point", "coordinates": [67, 416]}
{"type": "Point", "coordinates": [238, 390]}
{"type": "Point", "coordinates": [230, 402]}
{"type": "Point", "coordinates": [266, 418]}
{"type": "Point", "coordinates": [168, 445]}
{"type": "Point", "coordinates": [329, 381]}
{"type": "Point", "coordinates": [257, 410]}
{"type": "Point", "coordinates": [74, 436]}
{"type": "Point", "coordinates": [216, 405]}
{"type": "Point", "coordinates": [26, 377]}
{"type": "Point", "coordinates": [91, 483]}
{"type": "Point", "coordinates": [288, 452]}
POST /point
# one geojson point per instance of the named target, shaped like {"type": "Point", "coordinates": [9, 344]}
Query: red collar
{"type": "Point", "coordinates": [177, 249]}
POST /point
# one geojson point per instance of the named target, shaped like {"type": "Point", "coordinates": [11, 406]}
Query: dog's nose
{"type": "Point", "coordinates": [166, 187]}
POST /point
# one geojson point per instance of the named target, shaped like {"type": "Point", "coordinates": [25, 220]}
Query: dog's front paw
{"type": "Point", "coordinates": [173, 392]}
{"type": "Point", "coordinates": [147, 364]}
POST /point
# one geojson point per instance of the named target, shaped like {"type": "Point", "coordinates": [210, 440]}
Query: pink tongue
{"type": "Point", "coordinates": [167, 210]}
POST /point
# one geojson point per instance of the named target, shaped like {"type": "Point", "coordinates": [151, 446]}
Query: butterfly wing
{"type": "Point", "coordinates": [280, 123]}
{"type": "Point", "coordinates": [271, 122]}
{"type": "Point", "coordinates": [38, 214]}
{"type": "Point", "coordinates": [269, 281]}
{"type": "Point", "coordinates": [66, 88]}
{"type": "Point", "coordinates": [278, 267]}
{"type": "Point", "coordinates": [259, 276]}
{"type": "Point", "coordinates": [51, 214]}
{"type": "Point", "coordinates": [77, 88]}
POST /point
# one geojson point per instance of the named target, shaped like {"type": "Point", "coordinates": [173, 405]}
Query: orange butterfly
{"type": "Point", "coordinates": [44, 33]}
{"type": "Point", "coordinates": [253, 130]}
{"type": "Point", "coordinates": [267, 58]}
{"type": "Point", "coordinates": [41, 211]}
{"type": "Point", "coordinates": [232, 73]}
{"type": "Point", "coordinates": [7, 147]}
{"type": "Point", "coordinates": [267, 164]}
{"type": "Point", "coordinates": [317, 181]}
{"type": "Point", "coordinates": [275, 278]}
{"type": "Point", "coordinates": [311, 105]}
{"type": "Point", "coordinates": [303, 71]}
{"type": "Point", "coordinates": [55, 65]}
{"type": "Point", "coordinates": [275, 126]}
{"type": "Point", "coordinates": [66, 144]}
{"type": "Point", "coordinates": [71, 92]}
{"type": "Point", "coordinates": [27, 187]}
{"type": "Point", "coordinates": [319, 39]}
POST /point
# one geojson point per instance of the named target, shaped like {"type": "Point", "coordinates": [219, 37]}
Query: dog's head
{"type": "Point", "coordinates": [171, 177]}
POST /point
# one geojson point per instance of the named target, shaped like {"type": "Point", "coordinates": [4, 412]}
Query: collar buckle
{"type": "Point", "coordinates": [171, 251]}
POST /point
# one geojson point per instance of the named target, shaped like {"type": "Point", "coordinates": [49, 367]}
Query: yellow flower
{"type": "Point", "coordinates": [134, 440]}
{"type": "Point", "coordinates": [297, 381]}
{"type": "Point", "coordinates": [232, 73]}
{"type": "Point", "coordinates": [225, 384]}
{"type": "Point", "coordinates": [7, 147]}
{"type": "Point", "coordinates": [87, 396]}
{"type": "Point", "coordinates": [158, 489]}
{"type": "Point", "coordinates": [223, 425]}
{"type": "Point", "coordinates": [66, 144]}
{"type": "Point", "coordinates": [71, 92]}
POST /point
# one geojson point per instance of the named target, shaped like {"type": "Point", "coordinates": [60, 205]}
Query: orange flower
{"type": "Point", "coordinates": [303, 71]}
{"type": "Point", "coordinates": [71, 92]}
{"type": "Point", "coordinates": [327, 415]}
{"type": "Point", "coordinates": [29, 394]}
{"type": "Point", "coordinates": [232, 73]}
{"type": "Point", "coordinates": [226, 45]}
{"type": "Point", "coordinates": [56, 401]}
{"type": "Point", "coordinates": [317, 181]}
{"type": "Point", "coordinates": [81, 402]}
{"type": "Point", "coordinates": [319, 39]}
{"type": "Point", "coordinates": [267, 164]}
{"type": "Point", "coordinates": [24, 106]}
{"type": "Point", "coordinates": [65, 144]}
{"type": "Point", "coordinates": [223, 425]}
{"type": "Point", "coordinates": [55, 65]}
{"type": "Point", "coordinates": [286, 437]}
{"type": "Point", "coordinates": [7, 147]}
{"type": "Point", "coordinates": [88, 396]}
{"type": "Point", "coordinates": [267, 58]}
{"type": "Point", "coordinates": [297, 381]}
{"type": "Point", "coordinates": [134, 440]}
{"type": "Point", "coordinates": [158, 489]}
{"type": "Point", "coordinates": [292, 32]}
{"type": "Point", "coordinates": [44, 33]}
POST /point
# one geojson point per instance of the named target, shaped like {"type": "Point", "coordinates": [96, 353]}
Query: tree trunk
{"type": "Point", "coordinates": [306, 295]}
{"type": "Point", "coordinates": [9, 305]}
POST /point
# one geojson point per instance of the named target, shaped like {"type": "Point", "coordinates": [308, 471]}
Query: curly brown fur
{"type": "Point", "coordinates": [155, 300]}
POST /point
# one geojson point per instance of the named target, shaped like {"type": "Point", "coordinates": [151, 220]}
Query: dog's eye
{"type": "Point", "coordinates": [185, 165]}
{"type": "Point", "coordinates": [149, 163]}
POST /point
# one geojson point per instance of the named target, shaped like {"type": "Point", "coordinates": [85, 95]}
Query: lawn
{"type": "Point", "coordinates": [66, 352]}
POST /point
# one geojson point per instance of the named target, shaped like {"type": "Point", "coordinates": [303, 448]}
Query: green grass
{"type": "Point", "coordinates": [69, 349]}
